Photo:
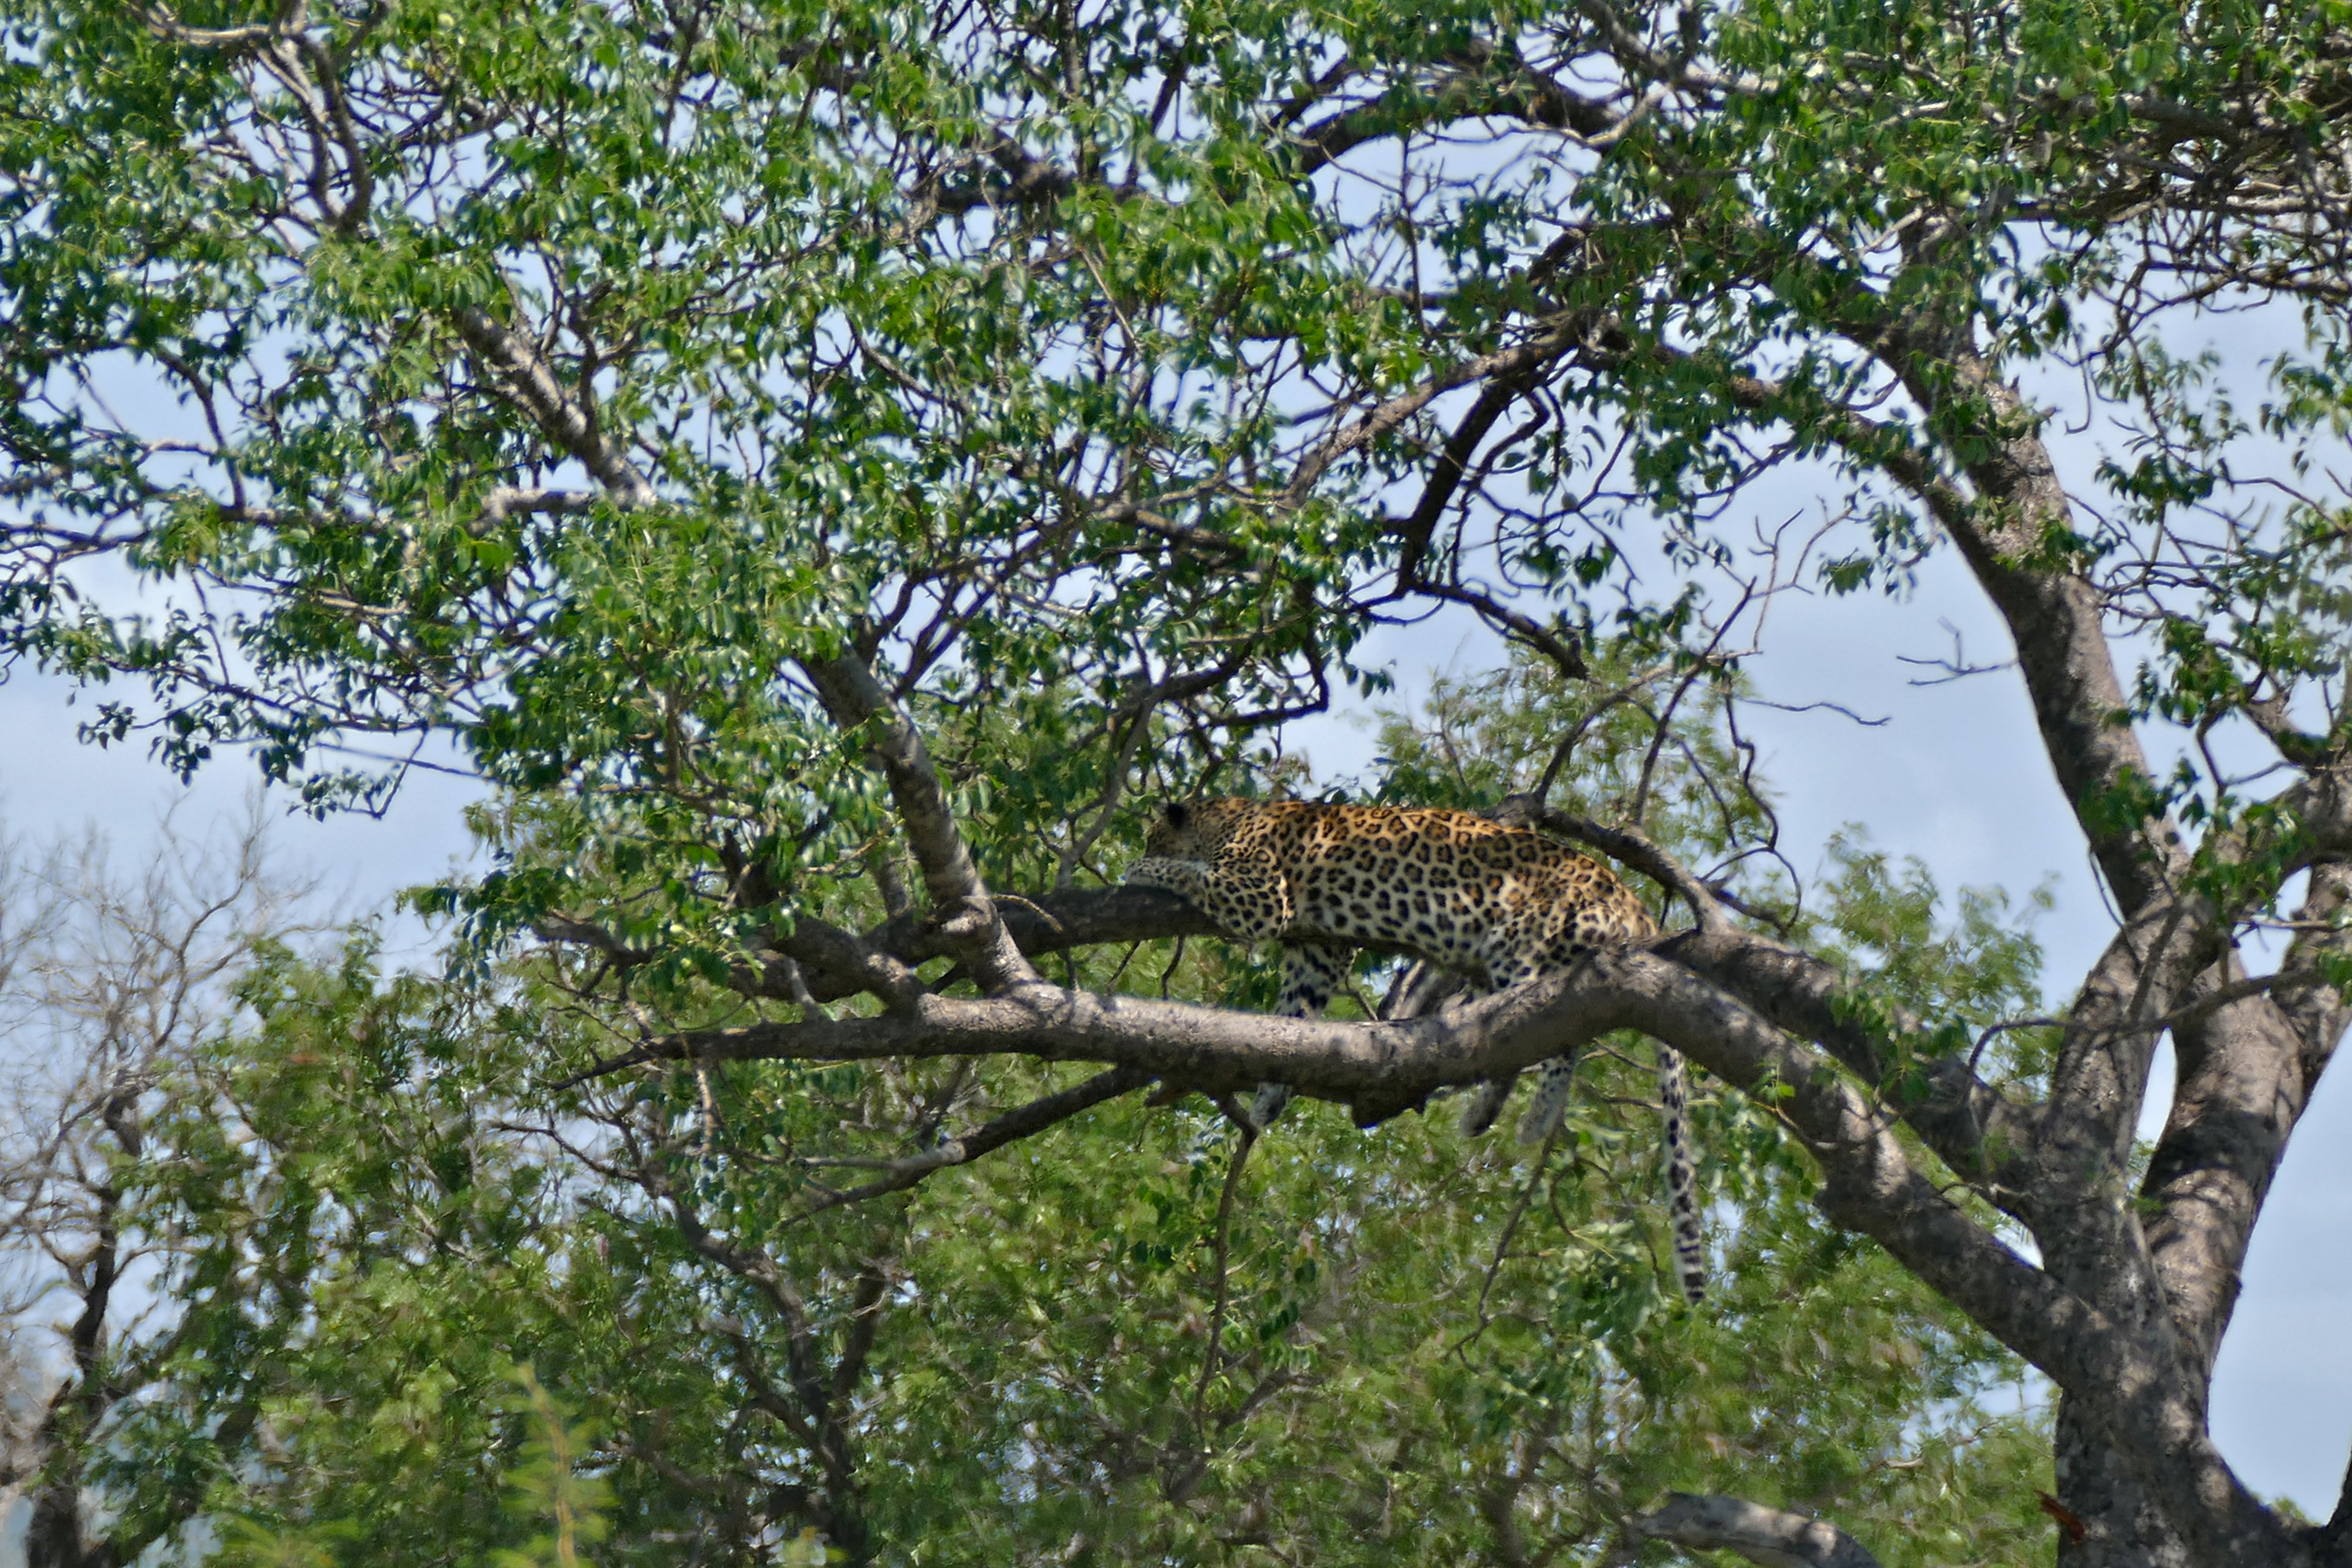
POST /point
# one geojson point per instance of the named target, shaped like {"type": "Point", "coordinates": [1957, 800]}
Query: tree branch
{"type": "Point", "coordinates": [1764, 1535]}
{"type": "Point", "coordinates": [1629, 844]}
{"type": "Point", "coordinates": [1010, 1128]}
{"type": "Point", "coordinates": [2019, 516]}
{"type": "Point", "coordinates": [961, 912]}
{"type": "Point", "coordinates": [2246, 1073]}
{"type": "Point", "coordinates": [1386, 416]}
{"type": "Point", "coordinates": [2239, 1096]}
{"type": "Point", "coordinates": [2319, 1015]}
{"type": "Point", "coordinates": [2056, 618]}
{"type": "Point", "coordinates": [562, 419]}
{"type": "Point", "coordinates": [1981, 1133]}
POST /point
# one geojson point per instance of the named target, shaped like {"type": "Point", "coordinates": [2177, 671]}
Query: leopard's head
{"type": "Point", "coordinates": [1194, 832]}
{"type": "Point", "coordinates": [1186, 835]}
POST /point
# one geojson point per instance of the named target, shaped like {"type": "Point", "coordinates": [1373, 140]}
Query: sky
{"type": "Point", "coordinates": [52, 784]}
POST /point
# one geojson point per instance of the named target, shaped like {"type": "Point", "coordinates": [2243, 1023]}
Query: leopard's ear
{"type": "Point", "coordinates": [1176, 815]}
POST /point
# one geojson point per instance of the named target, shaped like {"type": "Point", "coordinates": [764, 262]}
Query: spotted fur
{"type": "Point", "coordinates": [1495, 905]}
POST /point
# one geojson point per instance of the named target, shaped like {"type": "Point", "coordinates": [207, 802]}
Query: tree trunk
{"type": "Point", "coordinates": [53, 1539]}
{"type": "Point", "coordinates": [2116, 1524]}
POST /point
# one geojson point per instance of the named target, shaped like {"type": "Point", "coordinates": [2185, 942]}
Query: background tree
{"type": "Point", "coordinates": [110, 986]}
{"type": "Point", "coordinates": [806, 457]}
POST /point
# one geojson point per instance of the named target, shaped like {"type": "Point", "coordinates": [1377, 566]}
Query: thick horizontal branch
{"type": "Point", "coordinates": [1871, 1181]}
{"type": "Point", "coordinates": [1975, 1129]}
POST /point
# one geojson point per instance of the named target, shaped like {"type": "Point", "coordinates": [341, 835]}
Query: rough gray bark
{"type": "Point", "coordinates": [2110, 1519]}
{"type": "Point", "coordinates": [2167, 1265]}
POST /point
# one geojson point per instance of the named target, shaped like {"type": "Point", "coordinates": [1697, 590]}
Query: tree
{"type": "Point", "coordinates": [786, 448]}
{"type": "Point", "coordinates": [110, 986]}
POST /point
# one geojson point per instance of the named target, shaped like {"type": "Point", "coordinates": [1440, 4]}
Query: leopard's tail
{"type": "Point", "coordinates": [1682, 1176]}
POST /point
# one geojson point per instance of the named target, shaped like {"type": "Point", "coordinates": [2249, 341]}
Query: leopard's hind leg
{"type": "Point", "coordinates": [1312, 974]}
{"type": "Point", "coordinates": [1554, 1079]}
{"type": "Point", "coordinates": [1492, 1094]}
{"type": "Point", "coordinates": [1487, 1102]}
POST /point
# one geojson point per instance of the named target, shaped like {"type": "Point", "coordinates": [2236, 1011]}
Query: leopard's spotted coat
{"type": "Point", "coordinates": [1495, 905]}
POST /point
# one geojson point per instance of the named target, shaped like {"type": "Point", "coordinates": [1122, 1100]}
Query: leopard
{"type": "Point", "coordinates": [1492, 904]}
